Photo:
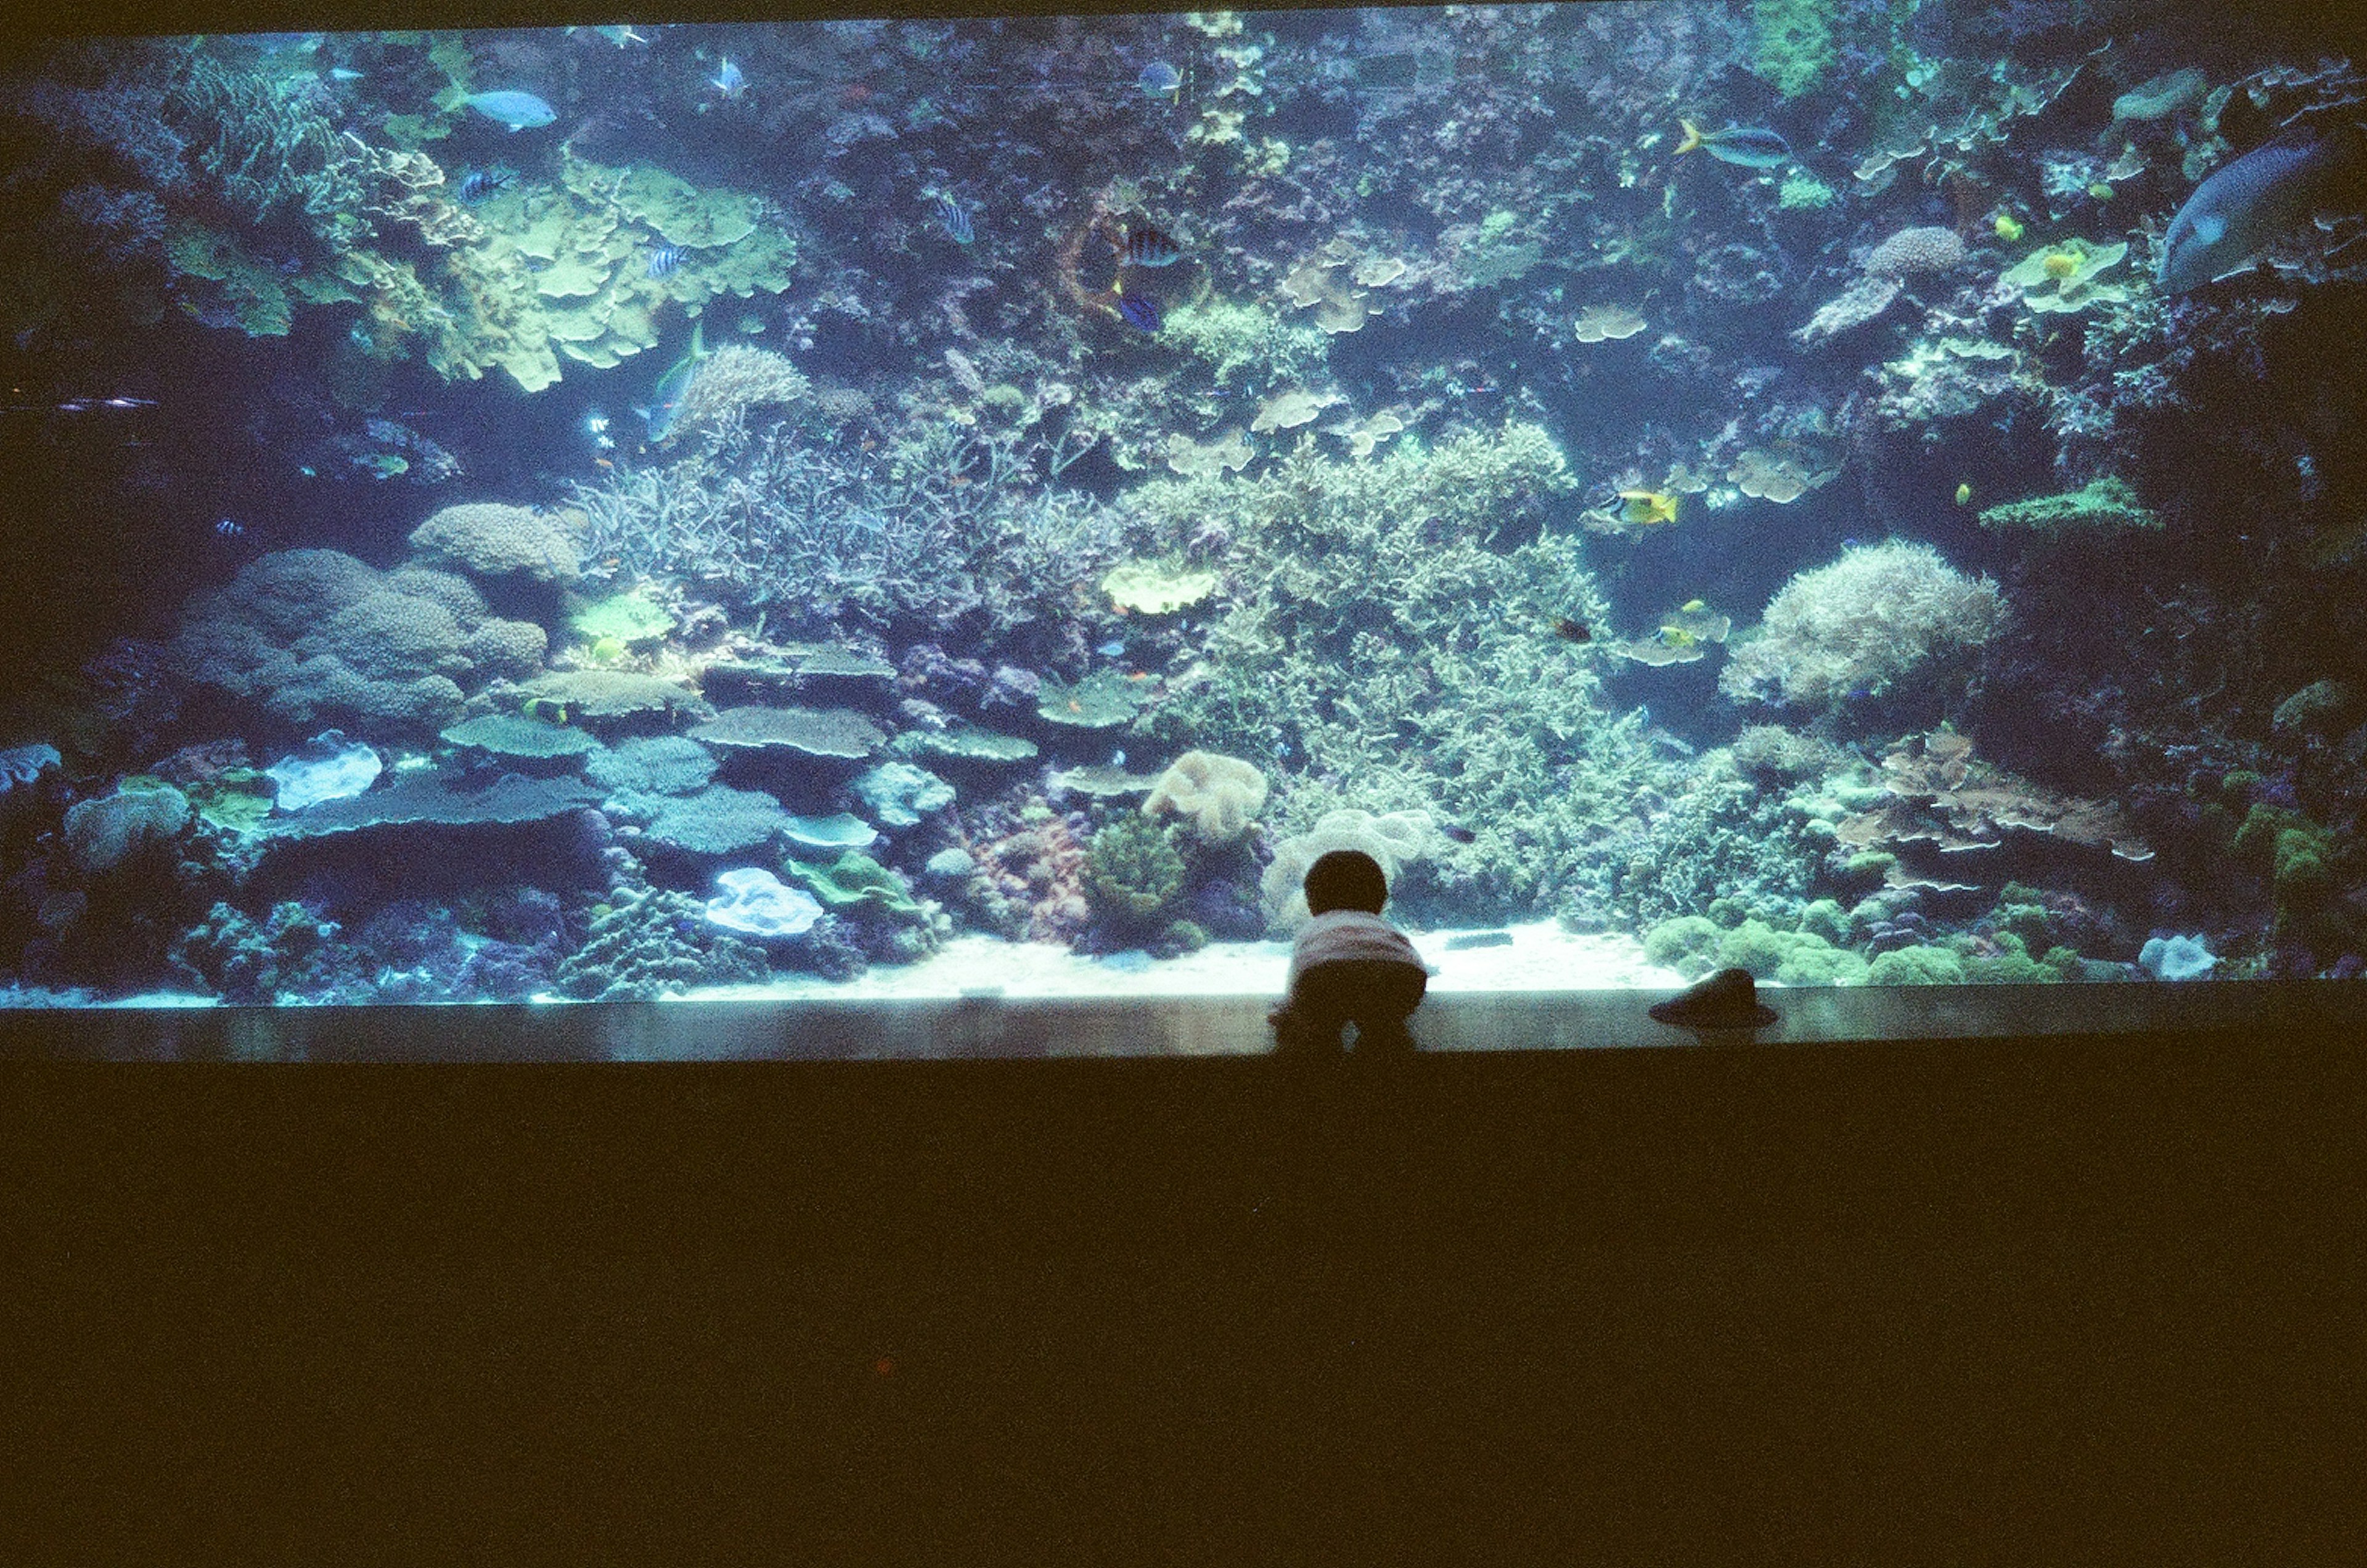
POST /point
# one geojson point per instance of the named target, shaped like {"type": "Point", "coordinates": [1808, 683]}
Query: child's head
{"type": "Point", "coordinates": [1347, 879]}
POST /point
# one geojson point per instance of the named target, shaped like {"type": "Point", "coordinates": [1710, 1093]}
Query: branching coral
{"type": "Point", "coordinates": [949, 520]}
{"type": "Point", "coordinates": [1863, 624]}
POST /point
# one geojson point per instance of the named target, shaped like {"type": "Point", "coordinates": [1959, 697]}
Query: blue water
{"type": "Point", "coordinates": [1860, 567]}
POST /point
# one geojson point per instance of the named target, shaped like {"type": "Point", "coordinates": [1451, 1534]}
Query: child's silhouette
{"type": "Point", "coordinates": [1349, 965]}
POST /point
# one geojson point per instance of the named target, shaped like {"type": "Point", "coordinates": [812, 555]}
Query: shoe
{"type": "Point", "coordinates": [1727, 1000]}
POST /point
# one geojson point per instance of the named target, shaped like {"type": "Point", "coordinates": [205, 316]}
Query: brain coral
{"type": "Point", "coordinates": [1916, 250]}
{"type": "Point", "coordinates": [1218, 796]}
{"type": "Point", "coordinates": [487, 539]}
{"type": "Point", "coordinates": [316, 636]}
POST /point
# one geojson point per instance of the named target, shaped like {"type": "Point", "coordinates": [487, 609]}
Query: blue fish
{"type": "Point", "coordinates": [1751, 148]}
{"type": "Point", "coordinates": [517, 110]}
{"type": "Point", "coordinates": [1140, 310]}
{"type": "Point", "coordinates": [339, 73]}
{"type": "Point", "coordinates": [1161, 80]}
{"type": "Point", "coordinates": [1113, 648]}
{"type": "Point", "coordinates": [664, 260]}
{"type": "Point", "coordinates": [1146, 246]}
{"type": "Point", "coordinates": [957, 222]}
{"type": "Point", "coordinates": [728, 81]}
{"type": "Point", "coordinates": [2244, 208]}
{"type": "Point", "coordinates": [228, 529]}
{"type": "Point", "coordinates": [665, 402]}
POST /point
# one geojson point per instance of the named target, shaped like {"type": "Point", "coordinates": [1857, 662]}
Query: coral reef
{"type": "Point", "coordinates": [1217, 797]}
{"type": "Point", "coordinates": [646, 942]}
{"type": "Point", "coordinates": [1860, 625]}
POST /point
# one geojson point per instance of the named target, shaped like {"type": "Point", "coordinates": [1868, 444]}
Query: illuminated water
{"type": "Point", "coordinates": [809, 510]}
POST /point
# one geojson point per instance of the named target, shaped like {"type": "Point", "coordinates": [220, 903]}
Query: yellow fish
{"type": "Point", "coordinates": [2008, 227]}
{"type": "Point", "coordinates": [1690, 605]}
{"type": "Point", "coordinates": [1641, 508]}
{"type": "Point", "coordinates": [1964, 495]}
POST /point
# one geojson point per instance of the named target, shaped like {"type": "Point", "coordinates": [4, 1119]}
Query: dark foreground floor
{"type": "Point", "coordinates": [2080, 1298]}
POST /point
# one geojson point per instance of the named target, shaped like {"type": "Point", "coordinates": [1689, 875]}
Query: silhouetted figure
{"type": "Point", "coordinates": [1349, 965]}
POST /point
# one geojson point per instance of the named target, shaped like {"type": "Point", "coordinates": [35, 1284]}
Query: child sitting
{"type": "Point", "coordinates": [1349, 965]}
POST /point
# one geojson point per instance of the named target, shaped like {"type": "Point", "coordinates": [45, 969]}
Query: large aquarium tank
{"type": "Point", "coordinates": [1866, 494]}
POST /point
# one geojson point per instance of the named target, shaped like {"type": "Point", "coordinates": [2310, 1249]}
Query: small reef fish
{"type": "Point", "coordinates": [1572, 631]}
{"type": "Point", "coordinates": [230, 529]}
{"type": "Point", "coordinates": [1751, 147]}
{"type": "Point", "coordinates": [1642, 508]}
{"type": "Point", "coordinates": [2245, 207]}
{"type": "Point", "coordinates": [1964, 495]}
{"type": "Point", "coordinates": [729, 80]}
{"type": "Point", "coordinates": [2008, 227]}
{"type": "Point", "coordinates": [478, 183]}
{"type": "Point", "coordinates": [340, 73]}
{"type": "Point", "coordinates": [620, 36]}
{"type": "Point", "coordinates": [1146, 246]}
{"type": "Point", "coordinates": [596, 430]}
{"type": "Point", "coordinates": [664, 260]}
{"type": "Point", "coordinates": [957, 222]}
{"type": "Point", "coordinates": [517, 110]}
{"type": "Point", "coordinates": [1161, 80]}
{"type": "Point", "coordinates": [665, 402]}
{"type": "Point", "coordinates": [1113, 648]}
{"type": "Point", "coordinates": [1140, 310]}
{"type": "Point", "coordinates": [1460, 834]}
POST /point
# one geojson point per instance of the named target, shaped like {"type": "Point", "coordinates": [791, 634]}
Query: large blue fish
{"type": "Point", "coordinates": [519, 111]}
{"type": "Point", "coordinates": [2244, 208]}
{"type": "Point", "coordinates": [665, 402]}
{"type": "Point", "coordinates": [1161, 80]}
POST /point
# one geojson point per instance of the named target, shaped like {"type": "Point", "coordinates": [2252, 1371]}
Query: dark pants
{"type": "Point", "coordinates": [1375, 995]}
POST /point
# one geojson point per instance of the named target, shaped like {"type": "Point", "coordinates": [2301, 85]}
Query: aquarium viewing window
{"type": "Point", "coordinates": [958, 516]}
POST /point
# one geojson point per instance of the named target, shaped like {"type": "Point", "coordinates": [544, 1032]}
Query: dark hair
{"type": "Point", "coordinates": [1347, 879]}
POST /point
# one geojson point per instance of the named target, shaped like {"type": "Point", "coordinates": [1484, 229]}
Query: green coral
{"type": "Point", "coordinates": [1796, 45]}
{"type": "Point", "coordinates": [2101, 505]}
{"type": "Point", "coordinates": [1134, 876]}
{"type": "Point", "coordinates": [647, 943]}
{"type": "Point", "coordinates": [1103, 700]}
{"type": "Point", "coordinates": [854, 878]}
{"type": "Point", "coordinates": [628, 617]}
{"type": "Point", "coordinates": [560, 273]}
{"type": "Point", "coordinates": [1383, 634]}
{"type": "Point", "coordinates": [1804, 193]}
{"type": "Point", "coordinates": [1917, 966]}
{"type": "Point", "coordinates": [1150, 589]}
{"type": "Point", "coordinates": [248, 288]}
{"type": "Point", "coordinates": [1239, 340]}
{"type": "Point", "coordinates": [2070, 267]}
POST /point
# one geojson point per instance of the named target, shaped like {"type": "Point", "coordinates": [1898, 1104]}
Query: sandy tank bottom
{"type": "Point", "coordinates": [1540, 956]}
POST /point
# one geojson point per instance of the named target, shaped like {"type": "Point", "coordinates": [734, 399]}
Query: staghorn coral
{"type": "Point", "coordinates": [1862, 624]}
{"type": "Point", "coordinates": [948, 520]}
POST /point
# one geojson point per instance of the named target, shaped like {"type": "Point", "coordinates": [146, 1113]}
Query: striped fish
{"type": "Point", "coordinates": [664, 260]}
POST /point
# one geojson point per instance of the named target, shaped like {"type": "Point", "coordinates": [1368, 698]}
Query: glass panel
{"type": "Point", "coordinates": [940, 509]}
